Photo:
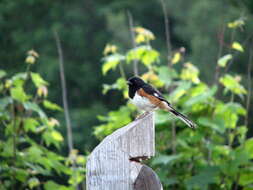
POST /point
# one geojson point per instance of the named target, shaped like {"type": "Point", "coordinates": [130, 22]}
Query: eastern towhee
{"type": "Point", "coordinates": [147, 98]}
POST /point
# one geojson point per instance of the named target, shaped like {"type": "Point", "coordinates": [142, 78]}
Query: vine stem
{"type": "Point", "coordinates": [64, 91]}
{"type": "Point", "coordinates": [14, 143]}
{"type": "Point", "coordinates": [221, 40]}
{"type": "Point", "coordinates": [249, 68]}
{"type": "Point", "coordinates": [121, 70]}
{"type": "Point", "coordinates": [131, 28]}
{"type": "Point", "coordinates": [167, 31]}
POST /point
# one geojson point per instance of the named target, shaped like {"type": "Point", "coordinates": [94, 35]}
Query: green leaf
{"type": "Point", "coordinates": [230, 113]}
{"type": "Point", "coordinates": [34, 152]}
{"type": "Point", "coordinates": [115, 120]}
{"type": "Point", "coordinates": [4, 102]}
{"type": "Point", "coordinates": [7, 148]}
{"type": "Point", "coordinates": [166, 74]}
{"type": "Point", "coordinates": [34, 107]}
{"type": "Point", "coordinates": [222, 62]}
{"type": "Point", "coordinates": [202, 97]}
{"type": "Point", "coordinates": [2, 73]}
{"type": "Point", "coordinates": [232, 83]}
{"type": "Point", "coordinates": [19, 94]}
{"type": "Point", "coordinates": [38, 80]}
{"type": "Point", "coordinates": [190, 72]}
{"type": "Point", "coordinates": [203, 179]}
{"type": "Point", "coordinates": [57, 136]}
{"type": "Point", "coordinates": [144, 53]}
{"type": "Point", "coordinates": [51, 185]}
{"type": "Point", "coordinates": [21, 174]}
{"type": "Point", "coordinates": [182, 89]}
{"type": "Point", "coordinates": [237, 46]}
{"type": "Point", "coordinates": [165, 159]}
{"type": "Point", "coordinates": [217, 124]}
{"type": "Point", "coordinates": [249, 146]}
{"type": "Point", "coordinates": [51, 106]}
{"type": "Point", "coordinates": [111, 62]}
{"type": "Point", "coordinates": [30, 124]}
{"type": "Point", "coordinates": [33, 182]}
{"type": "Point", "coordinates": [19, 79]}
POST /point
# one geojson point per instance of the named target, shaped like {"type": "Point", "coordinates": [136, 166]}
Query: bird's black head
{"type": "Point", "coordinates": [136, 82]}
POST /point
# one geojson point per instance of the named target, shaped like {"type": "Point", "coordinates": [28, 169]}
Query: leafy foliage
{"type": "Point", "coordinates": [29, 139]}
{"type": "Point", "coordinates": [217, 154]}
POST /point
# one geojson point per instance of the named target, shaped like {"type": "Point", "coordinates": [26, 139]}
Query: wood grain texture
{"type": "Point", "coordinates": [109, 167]}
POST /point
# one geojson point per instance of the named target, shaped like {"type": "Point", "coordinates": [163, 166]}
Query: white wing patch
{"type": "Point", "coordinates": [157, 95]}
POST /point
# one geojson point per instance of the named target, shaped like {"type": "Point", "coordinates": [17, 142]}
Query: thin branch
{"type": "Point", "coordinates": [167, 31]}
{"type": "Point", "coordinates": [14, 144]}
{"type": "Point", "coordinates": [64, 91]}
{"type": "Point", "coordinates": [121, 70]}
{"type": "Point", "coordinates": [173, 137]}
{"type": "Point", "coordinates": [230, 50]}
{"type": "Point", "coordinates": [221, 41]}
{"type": "Point", "coordinates": [131, 28]}
{"type": "Point", "coordinates": [249, 86]}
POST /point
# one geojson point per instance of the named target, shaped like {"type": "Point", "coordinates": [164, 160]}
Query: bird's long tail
{"type": "Point", "coordinates": [187, 121]}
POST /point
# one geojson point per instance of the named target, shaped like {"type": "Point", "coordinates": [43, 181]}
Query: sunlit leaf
{"type": "Point", "coordinates": [147, 34]}
{"type": "Point", "coordinates": [110, 49]}
{"type": "Point", "coordinates": [57, 136]}
{"type": "Point", "coordinates": [140, 38]}
{"type": "Point", "coordinates": [50, 185]}
{"type": "Point", "coordinates": [38, 80]}
{"type": "Point", "coordinates": [152, 78]}
{"type": "Point", "coordinates": [33, 182]}
{"type": "Point", "coordinates": [176, 58]}
{"type": "Point", "coordinates": [42, 91]}
{"type": "Point", "coordinates": [237, 23]}
{"type": "Point", "coordinates": [80, 159]}
{"type": "Point", "coordinates": [181, 90]}
{"type": "Point", "coordinates": [51, 106]}
{"type": "Point", "coordinates": [246, 178]}
{"type": "Point", "coordinates": [33, 53]}
{"type": "Point", "coordinates": [232, 83]}
{"type": "Point", "coordinates": [30, 59]}
{"type": "Point", "coordinates": [111, 62]}
{"type": "Point", "coordinates": [201, 97]}
{"type": "Point", "coordinates": [237, 46]}
{"type": "Point", "coordinates": [53, 122]}
{"type": "Point", "coordinates": [222, 62]}
{"type": "Point", "coordinates": [144, 53]}
{"type": "Point", "coordinates": [249, 146]}
{"type": "Point", "coordinates": [30, 124]}
{"type": "Point", "coordinates": [19, 94]}
{"type": "Point", "coordinates": [190, 72]}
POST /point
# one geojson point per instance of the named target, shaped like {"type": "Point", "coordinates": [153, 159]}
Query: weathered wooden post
{"type": "Point", "coordinates": [115, 163]}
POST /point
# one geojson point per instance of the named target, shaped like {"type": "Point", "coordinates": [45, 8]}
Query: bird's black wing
{"type": "Point", "coordinates": [154, 92]}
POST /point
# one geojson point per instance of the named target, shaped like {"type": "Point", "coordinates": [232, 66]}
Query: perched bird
{"type": "Point", "coordinates": [147, 98]}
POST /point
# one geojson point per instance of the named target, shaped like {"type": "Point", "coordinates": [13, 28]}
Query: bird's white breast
{"type": "Point", "coordinates": [142, 103]}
